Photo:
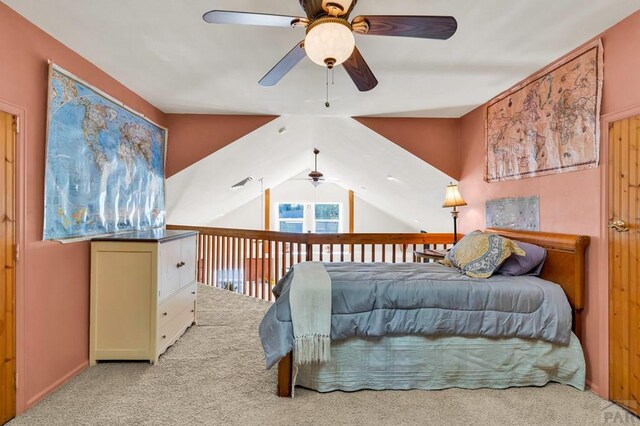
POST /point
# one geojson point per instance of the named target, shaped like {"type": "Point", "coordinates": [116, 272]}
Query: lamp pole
{"type": "Point", "coordinates": [454, 214]}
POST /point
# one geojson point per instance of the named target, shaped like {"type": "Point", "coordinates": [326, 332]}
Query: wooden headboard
{"type": "Point", "coordinates": [564, 265]}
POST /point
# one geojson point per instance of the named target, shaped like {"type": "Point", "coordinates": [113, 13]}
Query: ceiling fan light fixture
{"type": "Point", "coordinates": [329, 41]}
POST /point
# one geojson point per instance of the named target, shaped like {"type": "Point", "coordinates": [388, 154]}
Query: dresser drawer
{"type": "Point", "coordinates": [172, 306]}
{"type": "Point", "coordinates": [169, 332]}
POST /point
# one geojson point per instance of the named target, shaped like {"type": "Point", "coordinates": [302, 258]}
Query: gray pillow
{"type": "Point", "coordinates": [529, 264]}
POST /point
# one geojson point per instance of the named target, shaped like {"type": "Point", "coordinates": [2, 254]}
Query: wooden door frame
{"type": "Point", "coordinates": [20, 233]}
{"type": "Point", "coordinates": [603, 252]}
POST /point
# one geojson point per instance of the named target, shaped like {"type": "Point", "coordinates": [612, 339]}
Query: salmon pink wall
{"type": "Point", "coordinates": [434, 140]}
{"type": "Point", "coordinates": [569, 202]}
{"type": "Point", "coordinates": [195, 136]}
{"type": "Point", "coordinates": [53, 337]}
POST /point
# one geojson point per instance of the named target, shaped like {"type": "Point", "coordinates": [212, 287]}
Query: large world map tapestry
{"type": "Point", "coordinates": [105, 164]}
{"type": "Point", "coordinates": [549, 123]}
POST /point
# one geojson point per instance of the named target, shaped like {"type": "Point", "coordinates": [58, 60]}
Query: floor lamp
{"type": "Point", "coordinates": [452, 198]}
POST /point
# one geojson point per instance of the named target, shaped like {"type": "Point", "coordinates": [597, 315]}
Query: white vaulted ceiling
{"type": "Point", "coordinates": [357, 157]}
{"type": "Point", "coordinates": [165, 52]}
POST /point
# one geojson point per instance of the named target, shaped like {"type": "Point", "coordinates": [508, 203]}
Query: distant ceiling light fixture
{"type": "Point", "coordinates": [242, 183]}
{"type": "Point", "coordinates": [282, 130]}
{"type": "Point", "coordinates": [315, 176]}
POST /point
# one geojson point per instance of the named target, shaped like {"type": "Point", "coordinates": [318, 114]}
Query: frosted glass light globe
{"type": "Point", "coordinates": [329, 40]}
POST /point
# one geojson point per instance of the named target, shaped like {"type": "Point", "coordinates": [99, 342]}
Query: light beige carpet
{"type": "Point", "coordinates": [215, 375]}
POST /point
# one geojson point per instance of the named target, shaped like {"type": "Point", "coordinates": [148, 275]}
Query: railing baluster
{"type": "Point", "coordinates": [393, 253]}
{"type": "Point", "coordinates": [269, 260]}
{"type": "Point", "coordinates": [212, 272]}
{"type": "Point", "coordinates": [252, 272]}
{"type": "Point", "coordinates": [341, 252]}
{"type": "Point", "coordinates": [373, 252]}
{"type": "Point", "coordinates": [277, 274]}
{"type": "Point", "coordinates": [404, 253]}
{"type": "Point", "coordinates": [384, 253]}
{"type": "Point", "coordinates": [205, 259]}
{"type": "Point", "coordinates": [220, 270]}
{"type": "Point", "coordinates": [362, 253]}
{"type": "Point", "coordinates": [331, 253]}
{"type": "Point", "coordinates": [210, 251]}
{"type": "Point", "coordinates": [236, 264]}
{"type": "Point", "coordinates": [200, 264]}
{"type": "Point", "coordinates": [245, 267]}
{"type": "Point", "coordinates": [353, 254]}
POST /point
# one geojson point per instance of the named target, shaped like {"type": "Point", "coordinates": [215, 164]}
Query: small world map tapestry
{"type": "Point", "coordinates": [521, 213]}
{"type": "Point", "coordinates": [549, 123]}
{"type": "Point", "coordinates": [105, 164]}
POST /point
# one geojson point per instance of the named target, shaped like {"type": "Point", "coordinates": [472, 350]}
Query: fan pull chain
{"type": "Point", "coordinates": [333, 81]}
{"type": "Point", "coordinates": [327, 104]}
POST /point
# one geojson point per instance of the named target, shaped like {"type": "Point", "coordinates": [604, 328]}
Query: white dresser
{"type": "Point", "coordinates": [143, 293]}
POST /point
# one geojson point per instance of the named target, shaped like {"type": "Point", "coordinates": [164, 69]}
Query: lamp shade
{"type": "Point", "coordinates": [452, 197]}
{"type": "Point", "coordinates": [329, 40]}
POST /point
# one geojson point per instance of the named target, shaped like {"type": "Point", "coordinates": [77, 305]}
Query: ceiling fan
{"type": "Point", "coordinates": [329, 39]}
{"type": "Point", "coordinates": [315, 177]}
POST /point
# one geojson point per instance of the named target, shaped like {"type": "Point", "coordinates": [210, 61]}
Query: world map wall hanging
{"type": "Point", "coordinates": [549, 123]}
{"type": "Point", "coordinates": [105, 163]}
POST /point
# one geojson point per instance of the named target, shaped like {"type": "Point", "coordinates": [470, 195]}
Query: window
{"type": "Point", "coordinates": [327, 218]}
{"type": "Point", "coordinates": [322, 218]}
{"type": "Point", "coordinates": [291, 217]}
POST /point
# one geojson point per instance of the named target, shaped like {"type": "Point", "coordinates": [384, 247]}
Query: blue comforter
{"type": "Point", "coordinates": [379, 299]}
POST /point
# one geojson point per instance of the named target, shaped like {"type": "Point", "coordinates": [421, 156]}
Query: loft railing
{"type": "Point", "coordinates": [251, 262]}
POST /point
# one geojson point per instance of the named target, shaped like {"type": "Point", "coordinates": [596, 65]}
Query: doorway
{"type": "Point", "coordinates": [624, 262]}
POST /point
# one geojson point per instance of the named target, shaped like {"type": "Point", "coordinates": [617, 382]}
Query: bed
{"type": "Point", "coordinates": [533, 346]}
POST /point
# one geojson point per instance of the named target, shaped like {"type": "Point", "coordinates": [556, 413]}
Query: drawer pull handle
{"type": "Point", "coordinates": [180, 265]}
{"type": "Point", "coordinates": [192, 310]}
{"type": "Point", "coordinates": [193, 292]}
{"type": "Point", "coordinates": [164, 313]}
{"type": "Point", "coordinates": [164, 336]}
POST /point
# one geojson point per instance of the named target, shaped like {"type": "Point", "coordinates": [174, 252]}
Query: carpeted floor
{"type": "Point", "coordinates": [215, 375]}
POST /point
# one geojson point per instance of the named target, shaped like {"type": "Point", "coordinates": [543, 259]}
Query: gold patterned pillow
{"type": "Point", "coordinates": [480, 254]}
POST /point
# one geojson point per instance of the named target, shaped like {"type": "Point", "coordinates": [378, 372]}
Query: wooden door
{"type": "Point", "coordinates": [7, 271]}
{"type": "Point", "coordinates": [624, 264]}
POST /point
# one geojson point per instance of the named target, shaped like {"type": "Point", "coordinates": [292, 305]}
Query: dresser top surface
{"type": "Point", "coordinates": [148, 236]}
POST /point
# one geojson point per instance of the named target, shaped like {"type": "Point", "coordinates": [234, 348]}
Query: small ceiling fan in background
{"type": "Point", "coordinates": [329, 39]}
{"type": "Point", "coordinates": [315, 177]}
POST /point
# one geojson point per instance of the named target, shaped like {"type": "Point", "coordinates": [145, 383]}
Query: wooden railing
{"type": "Point", "coordinates": [251, 262]}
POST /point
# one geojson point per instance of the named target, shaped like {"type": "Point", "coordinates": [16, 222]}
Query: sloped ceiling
{"type": "Point", "coordinates": [165, 52]}
{"type": "Point", "coordinates": [379, 171]}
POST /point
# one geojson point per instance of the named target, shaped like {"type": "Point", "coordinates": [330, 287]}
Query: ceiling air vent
{"type": "Point", "coordinates": [242, 183]}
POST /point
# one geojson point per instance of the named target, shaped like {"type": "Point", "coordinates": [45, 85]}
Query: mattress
{"type": "Point", "coordinates": [430, 363]}
{"type": "Point", "coordinates": [382, 299]}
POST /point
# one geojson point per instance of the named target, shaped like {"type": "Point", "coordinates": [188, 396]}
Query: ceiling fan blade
{"type": "Point", "coordinates": [285, 65]}
{"type": "Point", "coordinates": [436, 27]}
{"type": "Point", "coordinates": [249, 18]}
{"type": "Point", "coordinates": [360, 72]}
